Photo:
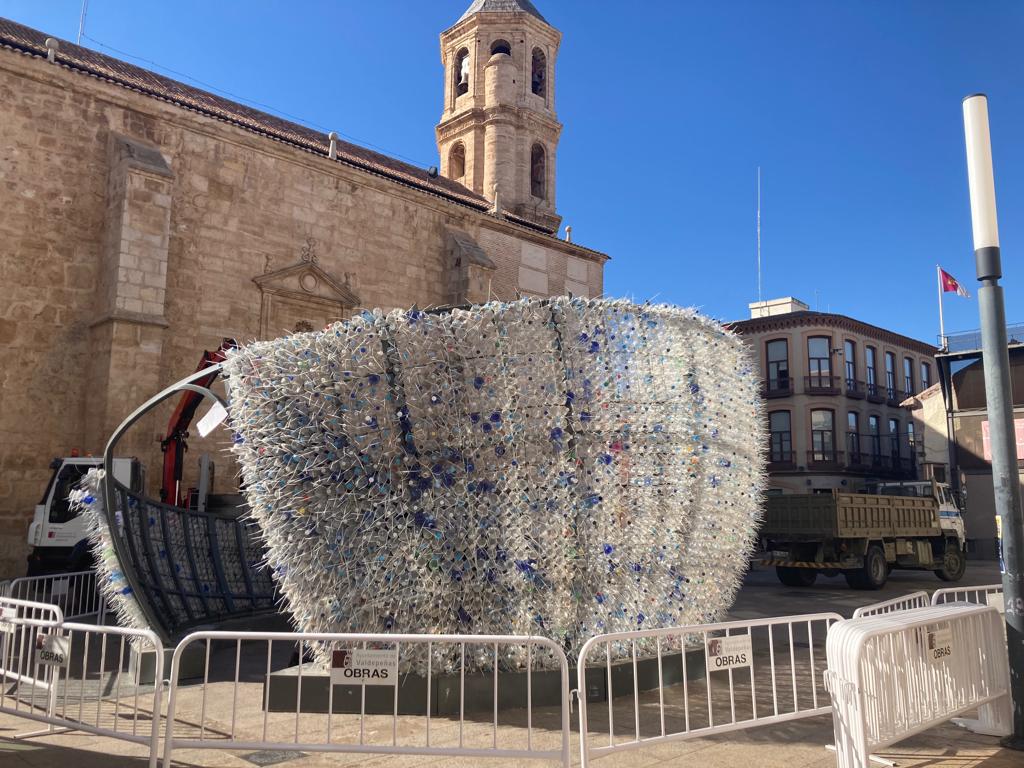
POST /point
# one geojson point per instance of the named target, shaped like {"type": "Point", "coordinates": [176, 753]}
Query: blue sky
{"type": "Point", "coordinates": [852, 109]}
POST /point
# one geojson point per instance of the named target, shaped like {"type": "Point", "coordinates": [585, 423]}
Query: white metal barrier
{"type": "Point", "coordinates": [348, 725]}
{"type": "Point", "coordinates": [989, 594]}
{"type": "Point", "coordinates": [905, 603]}
{"type": "Point", "coordinates": [895, 675]}
{"type": "Point", "coordinates": [78, 677]}
{"type": "Point", "coordinates": [76, 594]}
{"type": "Point", "coordinates": [19, 628]}
{"type": "Point", "coordinates": [748, 673]}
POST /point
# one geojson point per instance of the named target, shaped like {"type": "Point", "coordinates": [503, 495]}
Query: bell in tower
{"type": "Point", "coordinates": [498, 133]}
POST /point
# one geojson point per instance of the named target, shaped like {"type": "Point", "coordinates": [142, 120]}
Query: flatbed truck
{"type": "Point", "coordinates": [864, 536]}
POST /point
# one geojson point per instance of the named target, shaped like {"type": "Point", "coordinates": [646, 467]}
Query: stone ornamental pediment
{"type": "Point", "coordinates": [306, 280]}
{"type": "Point", "coordinates": [302, 297]}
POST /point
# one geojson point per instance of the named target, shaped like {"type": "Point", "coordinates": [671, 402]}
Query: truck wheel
{"type": "Point", "coordinates": [796, 577]}
{"type": "Point", "coordinates": [874, 572]}
{"type": "Point", "coordinates": [953, 564]}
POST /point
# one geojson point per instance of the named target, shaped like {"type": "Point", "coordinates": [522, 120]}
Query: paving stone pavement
{"type": "Point", "coordinates": [795, 744]}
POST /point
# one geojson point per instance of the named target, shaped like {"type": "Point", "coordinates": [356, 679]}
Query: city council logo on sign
{"type": "Point", "coordinates": [52, 651]}
{"type": "Point", "coordinates": [356, 666]}
{"type": "Point", "coordinates": [729, 652]}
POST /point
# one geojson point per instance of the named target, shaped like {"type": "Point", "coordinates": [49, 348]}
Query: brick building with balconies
{"type": "Point", "coordinates": [833, 387]}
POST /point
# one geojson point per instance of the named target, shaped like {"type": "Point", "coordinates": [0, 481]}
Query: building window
{"type": "Point", "coordinates": [874, 441]}
{"type": "Point", "coordinates": [850, 363]}
{"type": "Point", "coordinates": [823, 447]}
{"type": "Point", "coordinates": [894, 442]}
{"type": "Point", "coordinates": [461, 72]}
{"type": "Point", "coordinates": [819, 365]}
{"type": "Point", "coordinates": [926, 376]}
{"type": "Point", "coordinates": [457, 161]}
{"type": "Point", "coordinates": [777, 354]}
{"type": "Point", "coordinates": [780, 426]}
{"type": "Point", "coordinates": [61, 508]}
{"type": "Point", "coordinates": [911, 441]}
{"type": "Point", "coordinates": [908, 376]}
{"type": "Point", "coordinates": [853, 436]}
{"type": "Point", "coordinates": [872, 377]}
{"type": "Point", "coordinates": [538, 172]}
{"type": "Point", "coordinates": [539, 78]}
{"type": "Point", "coordinates": [890, 375]}
{"type": "Point", "coordinates": [501, 46]}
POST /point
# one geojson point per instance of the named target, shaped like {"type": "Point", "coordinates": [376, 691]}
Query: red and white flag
{"type": "Point", "coordinates": [951, 285]}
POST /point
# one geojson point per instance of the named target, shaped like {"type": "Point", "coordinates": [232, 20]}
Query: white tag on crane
{"type": "Point", "coordinates": [213, 417]}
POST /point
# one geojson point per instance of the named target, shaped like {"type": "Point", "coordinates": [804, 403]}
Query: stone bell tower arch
{"type": "Point", "coordinates": [499, 133]}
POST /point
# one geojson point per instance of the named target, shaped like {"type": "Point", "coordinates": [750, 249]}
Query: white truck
{"type": "Point", "coordinates": [56, 534]}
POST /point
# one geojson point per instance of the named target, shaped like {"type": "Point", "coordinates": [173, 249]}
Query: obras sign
{"type": "Point", "coordinates": [357, 666]}
{"type": "Point", "coordinates": [52, 651]}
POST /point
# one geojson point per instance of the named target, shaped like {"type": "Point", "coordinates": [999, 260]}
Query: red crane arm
{"type": "Point", "coordinates": [174, 445]}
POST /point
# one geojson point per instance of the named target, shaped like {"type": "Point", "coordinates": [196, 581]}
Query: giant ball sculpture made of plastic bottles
{"type": "Point", "coordinates": [558, 467]}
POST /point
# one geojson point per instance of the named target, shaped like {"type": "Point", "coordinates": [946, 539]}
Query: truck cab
{"type": "Point", "coordinates": [57, 534]}
{"type": "Point", "coordinates": [950, 518]}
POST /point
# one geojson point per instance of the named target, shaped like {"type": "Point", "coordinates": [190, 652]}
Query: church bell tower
{"type": "Point", "coordinates": [498, 133]}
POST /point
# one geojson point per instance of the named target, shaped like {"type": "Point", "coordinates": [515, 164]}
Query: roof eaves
{"type": "Point", "coordinates": [796, 318]}
{"type": "Point", "coordinates": [252, 120]}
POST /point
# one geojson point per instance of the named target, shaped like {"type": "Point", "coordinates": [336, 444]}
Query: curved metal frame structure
{"type": "Point", "coordinates": [196, 606]}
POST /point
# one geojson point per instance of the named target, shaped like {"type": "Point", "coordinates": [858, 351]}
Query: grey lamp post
{"type": "Point", "coordinates": [996, 360]}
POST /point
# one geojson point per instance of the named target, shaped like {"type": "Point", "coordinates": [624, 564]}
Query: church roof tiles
{"type": "Point", "coordinates": [86, 60]}
{"type": "Point", "coordinates": [18, 37]}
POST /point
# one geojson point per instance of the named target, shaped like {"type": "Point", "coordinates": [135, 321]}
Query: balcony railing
{"type": "Point", "coordinates": [855, 390]}
{"type": "Point", "coordinates": [875, 392]}
{"type": "Point", "coordinates": [894, 396]}
{"type": "Point", "coordinates": [779, 461]}
{"type": "Point", "coordinates": [970, 341]}
{"type": "Point", "coordinates": [821, 385]}
{"type": "Point", "coordinates": [899, 465]}
{"type": "Point", "coordinates": [852, 461]}
{"type": "Point", "coordinates": [779, 387]}
{"type": "Point", "coordinates": [824, 459]}
{"type": "Point", "coordinates": [857, 460]}
{"type": "Point", "coordinates": [864, 455]}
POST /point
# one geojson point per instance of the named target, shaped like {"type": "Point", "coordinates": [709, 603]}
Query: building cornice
{"type": "Point", "coordinates": [506, 20]}
{"type": "Point", "coordinates": [505, 113]}
{"type": "Point", "coordinates": [799, 320]}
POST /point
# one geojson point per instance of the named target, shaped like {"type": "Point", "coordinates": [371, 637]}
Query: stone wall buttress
{"type": "Point", "coordinates": [127, 336]}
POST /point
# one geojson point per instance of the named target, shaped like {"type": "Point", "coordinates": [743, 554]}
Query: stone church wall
{"type": "Point", "coordinates": [131, 233]}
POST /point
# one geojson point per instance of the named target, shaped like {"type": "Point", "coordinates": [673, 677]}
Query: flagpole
{"type": "Point", "coordinates": [942, 324]}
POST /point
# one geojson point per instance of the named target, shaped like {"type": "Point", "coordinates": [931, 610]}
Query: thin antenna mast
{"type": "Point", "coordinates": [81, 20]}
{"type": "Point", "coordinates": [760, 297]}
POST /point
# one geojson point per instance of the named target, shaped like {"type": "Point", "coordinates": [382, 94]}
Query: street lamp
{"type": "Point", "coordinates": [996, 359]}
